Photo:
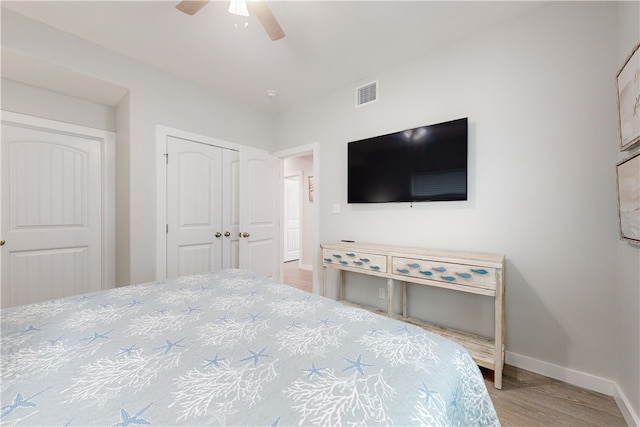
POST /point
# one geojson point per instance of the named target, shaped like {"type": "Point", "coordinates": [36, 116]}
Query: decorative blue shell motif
{"type": "Point", "coordinates": [426, 273]}
{"type": "Point", "coordinates": [448, 278]}
{"type": "Point", "coordinates": [403, 270]}
{"type": "Point", "coordinates": [479, 270]}
{"type": "Point", "coordinates": [344, 262]}
{"type": "Point", "coordinates": [375, 267]}
{"type": "Point", "coordinates": [328, 260]}
{"type": "Point", "coordinates": [351, 254]}
{"type": "Point", "coordinates": [364, 259]}
{"type": "Point", "coordinates": [414, 265]}
{"type": "Point", "coordinates": [337, 256]}
{"type": "Point", "coordinates": [357, 262]}
{"type": "Point", "coordinates": [440, 269]}
{"type": "Point", "coordinates": [465, 275]}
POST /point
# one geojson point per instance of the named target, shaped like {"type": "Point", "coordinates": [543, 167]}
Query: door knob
{"type": "Point", "coordinates": [227, 234]}
{"type": "Point", "coordinates": [218, 234]}
{"type": "Point", "coordinates": [245, 234]}
{"type": "Point", "coordinates": [2, 242]}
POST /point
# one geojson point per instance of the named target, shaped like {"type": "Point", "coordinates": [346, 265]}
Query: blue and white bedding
{"type": "Point", "coordinates": [229, 348]}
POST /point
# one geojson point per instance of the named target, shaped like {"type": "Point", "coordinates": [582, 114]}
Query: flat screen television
{"type": "Point", "coordinates": [428, 163]}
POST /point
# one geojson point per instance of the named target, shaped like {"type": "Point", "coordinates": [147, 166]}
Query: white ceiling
{"type": "Point", "coordinates": [328, 44]}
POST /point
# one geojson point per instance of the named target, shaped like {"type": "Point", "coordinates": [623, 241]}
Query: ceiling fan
{"type": "Point", "coordinates": [241, 7]}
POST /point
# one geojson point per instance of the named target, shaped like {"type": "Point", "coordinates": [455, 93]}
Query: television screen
{"type": "Point", "coordinates": [428, 163]}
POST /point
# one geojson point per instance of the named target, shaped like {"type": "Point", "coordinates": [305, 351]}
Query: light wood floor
{"type": "Point", "coordinates": [297, 277]}
{"type": "Point", "coordinates": [526, 398]}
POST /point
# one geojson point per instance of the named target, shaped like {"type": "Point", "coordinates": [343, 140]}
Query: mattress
{"type": "Point", "coordinates": [229, 348]}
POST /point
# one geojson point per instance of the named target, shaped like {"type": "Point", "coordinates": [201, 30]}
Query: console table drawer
{"type": "Point", "coordinates": [360, 260]}
{"type": "Point", "coordinates": [481, 277]}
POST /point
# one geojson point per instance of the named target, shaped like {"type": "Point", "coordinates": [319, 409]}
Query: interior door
{"type": "Point", "coordinates": [194, 213]}
{"type": "Point", "coordinates": [291, 226]}
{"type": "Point", "coordinates": [52, 215]}
{"type": "Point", "coordinates": [260, 212]}
{"type": "Point", "coordinates": [230, 208]}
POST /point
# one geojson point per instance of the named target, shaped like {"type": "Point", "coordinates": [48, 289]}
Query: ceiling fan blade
{"type": "Point", "coordinates": [266, 18]}
{"type": "Point", "coordinates": [190, 7]}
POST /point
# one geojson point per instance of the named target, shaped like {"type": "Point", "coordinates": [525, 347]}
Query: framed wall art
{"type": "Point", "coordinates": [628, 85]}
{"type": "Point", "coordinates": [628, 177]}
{"type": "Point", "coordinates": [311, 189]}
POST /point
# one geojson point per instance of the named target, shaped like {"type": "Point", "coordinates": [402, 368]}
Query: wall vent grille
{"type": "Point", "coordinates": [366, 94]}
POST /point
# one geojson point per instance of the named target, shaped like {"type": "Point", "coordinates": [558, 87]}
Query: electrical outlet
{"type": "Point", "coordinates": [382, 294]}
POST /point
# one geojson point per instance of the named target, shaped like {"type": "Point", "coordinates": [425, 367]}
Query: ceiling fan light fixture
{"type": "Point", "coordinates": [238, 7]}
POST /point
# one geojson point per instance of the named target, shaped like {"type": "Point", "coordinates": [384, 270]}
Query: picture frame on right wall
{"type": "Point", "coordinates": [628, 178]}
{"type": "Point", "coordinates": [628, 85]}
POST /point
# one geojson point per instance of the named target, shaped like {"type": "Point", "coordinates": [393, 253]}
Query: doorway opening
{"type": "Point", "coordinates": [299, 217]}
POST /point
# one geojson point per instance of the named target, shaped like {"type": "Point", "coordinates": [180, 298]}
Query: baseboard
{"type": "Point", "coordinates": [577, 378]}
{"type": "Point", "coordinates": [623, 403]}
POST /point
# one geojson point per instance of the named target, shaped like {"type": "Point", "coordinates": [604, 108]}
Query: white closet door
{"type": "Point", "coordinates": [260, 212]}
{"type": "Point", "coordinates": [194, 213]}
{"type": "Point", "coordinates": [52, 220]}
{"type": "Point", "coordinates": [230, 208]}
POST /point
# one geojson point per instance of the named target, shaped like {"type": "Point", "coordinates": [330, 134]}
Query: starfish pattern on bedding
{"type": "Point", "coordinates": [314, 371]}
{"type": "Point", "coordinates": [427, 392]}
{"type": "Point", "coordinates": [214, 361]}
{"type": "Point", "coordinates": [358, 364]}
{"type": "Point", "coordinates": [255, 356]}
{"type": "Point", "coordinates": [169, 345]}
{"type": "Point", "coordinates": [97, 336]}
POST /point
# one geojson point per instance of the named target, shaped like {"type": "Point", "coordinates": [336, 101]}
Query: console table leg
{"type": "Point", "coordinates": [390, 297]}
{"type": "Point", "coordinates": [404, 300]}
{"type": "Point", "coordinates": [340, 285]}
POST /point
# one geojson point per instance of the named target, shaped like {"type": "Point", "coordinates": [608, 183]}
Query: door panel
{"type": "Point", "coordinates": [260, 212]}
{"type": "Point", "coordinates": [52, 215]}
{"type": "Point", "coordinates": [291, 218]}
{"type": "Point", "coordinates": [193, 207]}
{"type": "Point", "coordinates": [230, 208]}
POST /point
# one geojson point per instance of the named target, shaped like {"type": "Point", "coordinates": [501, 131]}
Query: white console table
{"type": "Point", "coordinates": [473, 272]}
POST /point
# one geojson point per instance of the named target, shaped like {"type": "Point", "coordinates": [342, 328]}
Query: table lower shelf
{"type": "Point", "coordinates": [480, 348]}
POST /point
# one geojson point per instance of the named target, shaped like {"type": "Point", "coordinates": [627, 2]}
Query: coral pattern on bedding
{"type": "Point", "coordinates": [229, 348]}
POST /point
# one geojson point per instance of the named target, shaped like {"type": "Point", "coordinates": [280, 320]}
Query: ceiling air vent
{"type": "Point", "coordinates": [367, 94]}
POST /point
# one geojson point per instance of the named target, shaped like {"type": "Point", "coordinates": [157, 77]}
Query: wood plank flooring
{"type": "Point", "coordinates": [297, 277]}
{"type": "Point", "coordinates": [529, 399]}
{"type": "Point", "coordinates": [526, 398]}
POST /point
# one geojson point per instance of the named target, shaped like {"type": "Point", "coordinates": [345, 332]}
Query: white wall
{"type": "Point", "coordinates": [539, 93]}
{"type": "Point", "coordinates": [304, 164]}
{"type": "Point", "coordinates": [33, 101]}
{"type": "Point", "coordinates": [627, 298]}
{"type": "Point", "coordinates": [155, 98]}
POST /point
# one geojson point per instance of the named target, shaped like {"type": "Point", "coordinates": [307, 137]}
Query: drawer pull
{"type": "Point", "coordinates": [403, 270]}
{"type": "Point", "coordinates": [364, 259]}
{"type": "Point", "coordinates": [440, 269]}
{"type": "Point", "coordinates": [328, 260]}
{"type": "Point", "coordinates": [344, 262]}
{"type": "Point", "coordinates": [465, 275]}
{"type": "Point", "coordinates": [448, 278]}
{"type": "Point", "coordinates": [351, 254]}
{"type": "Point", "coordinates": [426, 273]}
{"type": "Point", "coordinates": [357, 262]}
{"type": "Point", "coordinates": [479, 271]}
{"type": "Point", "coordinates": [375, 267]}
{"type": "Point", "coordinates": [414, 265]}
{"type": "Point", "coordinates": [337, 256]}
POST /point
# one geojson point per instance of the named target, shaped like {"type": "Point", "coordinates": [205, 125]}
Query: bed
{"type": "Point", "coordinates": [229, 348]}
